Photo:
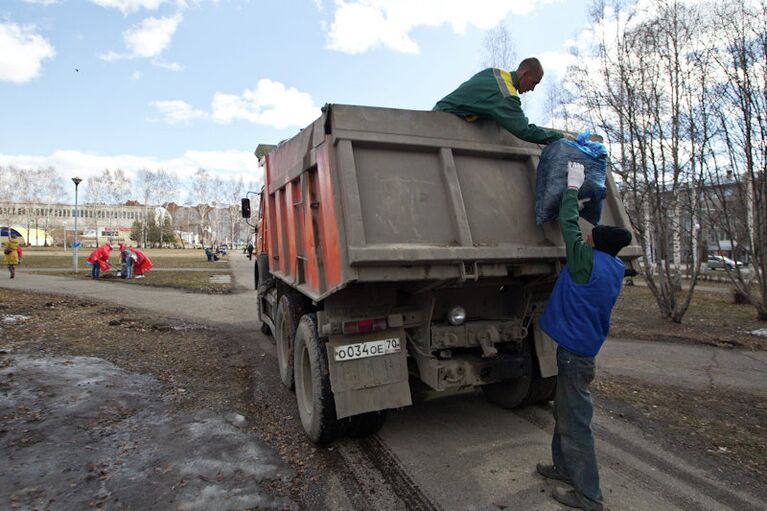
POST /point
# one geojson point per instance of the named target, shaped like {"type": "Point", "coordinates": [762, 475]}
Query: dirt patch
{"type": "Point", "coordinates": [712, 319]}
{"type": "Point", "coordinates": [200, 371]}
{"type": "Point", "coordinates": [725, 428]}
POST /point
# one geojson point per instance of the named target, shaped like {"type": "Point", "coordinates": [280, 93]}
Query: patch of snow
{"type": "Point", "coordinates": [14, 318]}
{"type": "Point", "coordinates": [762, 332]}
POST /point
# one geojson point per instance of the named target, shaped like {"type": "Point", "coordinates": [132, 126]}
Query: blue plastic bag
{"type": "Point", "coordinates": [551, 179]}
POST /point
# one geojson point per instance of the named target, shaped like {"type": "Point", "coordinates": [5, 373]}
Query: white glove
{"type": "Point", "coordinates": [575, 175]}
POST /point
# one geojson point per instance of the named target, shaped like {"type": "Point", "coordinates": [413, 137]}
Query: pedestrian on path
{"type": "Point", "coordinates": [250, 250]}
{"type": "Point", "coordinates": [12, 253]}
{"type": "Point", "coordinates": [577, 317]}
{"type": "Point", "coordinates": [99, 260]}
{"type": "Point", "coordinates": [141, 264]}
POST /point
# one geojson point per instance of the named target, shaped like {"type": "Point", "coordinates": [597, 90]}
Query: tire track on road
{"type": "Point", "coordinates": [621, 444]}
{"type": "Point", "coordinates": [377, 479]}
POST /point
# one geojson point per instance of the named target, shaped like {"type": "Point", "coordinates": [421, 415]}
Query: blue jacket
{"type": "Point", "coordinates": [577, 316]}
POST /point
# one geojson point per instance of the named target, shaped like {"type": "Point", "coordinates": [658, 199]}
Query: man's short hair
{"type": "Point", "coordinates": [531, 65]}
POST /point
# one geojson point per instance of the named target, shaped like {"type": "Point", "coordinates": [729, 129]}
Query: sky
{"type": "Point", "coordinates": [183, 84]}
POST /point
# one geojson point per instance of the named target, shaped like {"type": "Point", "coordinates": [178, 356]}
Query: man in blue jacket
{"type": "Point", "coordinates": [577, 317]}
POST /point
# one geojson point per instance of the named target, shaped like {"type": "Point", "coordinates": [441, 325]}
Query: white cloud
{"type": "Point", "coordinates": [362, 25]}
{"type": "Point", "coordinates": [23, 51]}
{"type": "Point", "coordinates": [170, 66]}
{"type": "Point", "coordinates": [42, 2]}
{"type": "Point", "coordinates": [151, 36]}
{"type": "Point", "coordinates": [136, 75]}
{"type": "Point", "coordinates": [147, 39]}
{"type": "Point", "coordinates": [177, 111]}
{"type": "Point", "coordinates": [126, 6]}
{"type": "Point", "coordinates": [270, 103]}
{"type": "Point", "coordinates": [556, 62]}
{"type": "Point", "coordinates": [69, 163]}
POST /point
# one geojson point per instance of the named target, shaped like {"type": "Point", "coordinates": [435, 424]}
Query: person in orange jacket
{"type": "Point", "coordinates": [99, 260]}
{"type": "Point", "coordinates": [141, 265]}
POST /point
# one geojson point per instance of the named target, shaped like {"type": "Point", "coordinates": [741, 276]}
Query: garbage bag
{"type": "Point", "coordinates": [551, 179]}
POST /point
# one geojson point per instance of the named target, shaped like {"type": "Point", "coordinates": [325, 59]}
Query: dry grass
{"type": "Point", "coordinates": [712, 318]}
{"type": "Point", "coordinates": [728, 426]}
{"type": "Point", "coordinates": [37, 257]}
{"type": "Point", "coordinates": [193, 281]}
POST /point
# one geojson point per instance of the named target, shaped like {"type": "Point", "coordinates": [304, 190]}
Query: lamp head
{"type": "Point", "coordinates": [76, 181]}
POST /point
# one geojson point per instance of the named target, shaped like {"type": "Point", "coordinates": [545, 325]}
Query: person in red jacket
{"type": "Point", "coordinates": [99, 260]}
{"type": "Point", "coordinates": [141, 265]}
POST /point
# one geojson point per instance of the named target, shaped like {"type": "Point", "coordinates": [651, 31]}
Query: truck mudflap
{"type": "Point", "coordinates": [546, 349]}
{"type": "Point", "coordinates": [368, 372]}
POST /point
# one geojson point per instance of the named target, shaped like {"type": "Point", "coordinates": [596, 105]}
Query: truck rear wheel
{"type": "Point", "coordinates": [366, 424]}
{"type": "Point", "coordinates": [316, 405]}
{"type": "Point", "coordinates": [285, 324]}
{"type": "Point", "coordinates": [508, 394]}
{"type": "Point", "coordinates": [542, 390]}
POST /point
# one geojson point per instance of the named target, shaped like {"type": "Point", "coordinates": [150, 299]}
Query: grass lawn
{"type": "Point", "coordinates": [38, 257]}
{"type": "Point", "coordinates": [196, 281]}
{"type": "Point", "coordinates": [712, 318]}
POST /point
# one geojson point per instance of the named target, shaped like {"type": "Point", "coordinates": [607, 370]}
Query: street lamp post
{"type": "Point", "coordinates": [75, 243]}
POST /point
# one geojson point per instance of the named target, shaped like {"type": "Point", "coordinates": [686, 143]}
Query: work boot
{"type": "Point", "coordinates": [571, 499]}
{"type": "Point", "coordinates": [551, 472]}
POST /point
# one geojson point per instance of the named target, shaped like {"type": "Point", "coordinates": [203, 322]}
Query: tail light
{"type": "Point", "coordinates": [362, 326]}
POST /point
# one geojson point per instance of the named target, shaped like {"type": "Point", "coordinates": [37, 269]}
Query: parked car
{"type": "Point", "coordinates": [716, 262]}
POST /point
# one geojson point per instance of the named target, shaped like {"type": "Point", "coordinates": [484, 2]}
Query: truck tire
{"type": "Point", "coordinates": [513, 392]}
{"type": "Point", "coordinates": [366, 424]}
{"type": "Point", "coordinates": [508, 394]}
{"type": "Point", "coordinates": [285, 324]}
{"type": "Point", "coordinates": [316, 405]}
{"type": "Point", "coordinates": [542, 390]}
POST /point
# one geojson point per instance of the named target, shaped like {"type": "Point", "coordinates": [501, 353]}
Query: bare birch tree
{"type": "Point", "coordinates": [146, 184]}
{"type": "Point", "coordinates": [166, 188]}
{"type": "Point", "coordinates": [636, 88]}
{"type": "Point", "coordinates": [738, 196]}
{"type": "Point", "coordinates": [202, 195]}
{"type": "Point", "coordinates": [498, 49]}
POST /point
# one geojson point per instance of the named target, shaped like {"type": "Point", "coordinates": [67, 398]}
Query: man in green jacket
{"type": "Point", "coordinates": [494, 93]}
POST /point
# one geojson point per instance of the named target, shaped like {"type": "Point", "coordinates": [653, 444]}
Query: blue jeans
{"type": "Point", "coordinates": [95, 270]}
{"type": "Point", "coordinates": [572, 447]}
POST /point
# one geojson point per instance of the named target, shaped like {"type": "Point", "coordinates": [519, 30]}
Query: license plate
{"type": "Point", "coordinates": [366, 349]}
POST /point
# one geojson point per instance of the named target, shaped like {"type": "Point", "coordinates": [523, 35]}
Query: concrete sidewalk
{"type": "Point", "coordinates": [233, 310]}
{"type": "Point", "coordinates": [685, 365]}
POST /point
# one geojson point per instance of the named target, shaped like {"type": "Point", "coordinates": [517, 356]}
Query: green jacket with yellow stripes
{"type": "Point", "coordinates": [493, 93]}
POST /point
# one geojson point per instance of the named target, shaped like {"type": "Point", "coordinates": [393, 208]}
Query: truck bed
{"type": "Point", "coordinates": [384, 195]}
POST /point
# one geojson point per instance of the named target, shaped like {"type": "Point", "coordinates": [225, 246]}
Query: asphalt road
{"type": "Point", "coordinates": [463, 453]}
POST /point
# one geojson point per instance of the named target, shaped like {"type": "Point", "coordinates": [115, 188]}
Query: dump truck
{"type": "Point", "coordinates": [398, 255]}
